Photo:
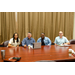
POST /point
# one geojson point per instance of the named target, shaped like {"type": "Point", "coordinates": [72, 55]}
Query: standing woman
{"type": "Point", "coordinates": [15, 41]}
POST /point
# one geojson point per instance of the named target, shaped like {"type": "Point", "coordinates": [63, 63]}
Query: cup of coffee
{"type": "Point", "coordinates": [70, 55]}
{"type": "Point", "coordinates": [70, 51]}
{"type": "Point", "coordinates": [32, 46]}
{"type": "Point", "coordinates": [29, 46]}
{"type": "Point", "coordinates": [3, 54]}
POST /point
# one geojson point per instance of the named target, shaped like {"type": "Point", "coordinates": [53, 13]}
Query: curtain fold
{"type": "Point", "coordinates": [23, 24]}
{"type": "Point", "coordinates": [36, 22]}
{"type": "Point", "coordinates": [0, 27]}
{"type": "Point", "coordinates": [7, 28]}
{"type": "Point", "coordinates": [48, 22]}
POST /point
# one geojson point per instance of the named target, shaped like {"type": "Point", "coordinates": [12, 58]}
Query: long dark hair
{"type": "Point", "coordinates": [14, 38]}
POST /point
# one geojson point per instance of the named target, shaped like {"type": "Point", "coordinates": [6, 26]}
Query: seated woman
{"type": "Point", "coordinates": [15, 41]}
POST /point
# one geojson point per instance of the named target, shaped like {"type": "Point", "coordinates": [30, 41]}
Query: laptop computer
{"type": "Point", "coordinates": [36, 45]}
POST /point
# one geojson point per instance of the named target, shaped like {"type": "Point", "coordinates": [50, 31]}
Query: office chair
{"type": "Point", "coordinates": [72, 41]}
{"type": "Point", "coordinates": [5, 44]}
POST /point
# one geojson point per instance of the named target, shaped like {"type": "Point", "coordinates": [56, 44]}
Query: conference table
{"type": "Point", "coordinates": [53, 53]}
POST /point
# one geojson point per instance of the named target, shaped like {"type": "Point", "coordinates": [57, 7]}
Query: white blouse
{"type": "Point", "coordinates": [14, 43]}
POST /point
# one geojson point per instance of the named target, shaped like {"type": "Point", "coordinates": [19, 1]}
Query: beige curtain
{"type": "Point", "coordinates": [36, 22]}
{"type": "Point", "coordinates": [7, 25]}
{"type": "Point", "coordinates": [0, 27]}
{"type": "Point", "coordinates": [23, 24]}
{"type": "Point", "coordinates": [48, 22]}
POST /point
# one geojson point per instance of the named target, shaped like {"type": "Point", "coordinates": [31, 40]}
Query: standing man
{"type": "Point", "coordinates": [28, 40]}
{"type": "Point", "coordinates": [44, 40]}
{"type": "Point", "coordinates": [61, 39]}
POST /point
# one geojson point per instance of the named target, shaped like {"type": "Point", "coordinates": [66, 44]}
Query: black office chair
{"type": "Point", "coordinates": [72, 41]}
{"type": "Point", "coordinates": [5, 44]}
{"type": "Point", "coordinates": [20, 44]}
{"type": "Point", "coordinates": [52, 43]}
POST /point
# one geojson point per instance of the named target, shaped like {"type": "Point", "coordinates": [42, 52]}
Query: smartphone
{"type": "Point", "coordinates": [17, 58]}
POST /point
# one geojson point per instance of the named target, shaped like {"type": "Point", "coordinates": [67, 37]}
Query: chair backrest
{"type": "Point", "coordinates": [20, 44]}
{"type": "Point", "coordinates": [45, 61]}
{"type": "Point", "coordinates": [5, 44]}
{"type": "Point", "coordinates": [52, 43]}
{"type": "Point", "coordinates": [72, 41]}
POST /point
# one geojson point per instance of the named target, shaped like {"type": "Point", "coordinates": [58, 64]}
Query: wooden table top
{"type": "Point", "coordinates": [45, 53]}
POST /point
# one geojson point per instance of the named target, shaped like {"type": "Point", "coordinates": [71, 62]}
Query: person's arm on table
{"type": "Point", "coordinates": [67, 42]}
{"type": "Point", "coordinates": [55, 44]}
{"type": "Point", "coordinates": [23, 43]}
{"type": "Point", "coordinates": [49, 41]}
{"type": "Point", "coordinates": [9, 45]}
{"type": "Point", "coordinates": [55, 41]}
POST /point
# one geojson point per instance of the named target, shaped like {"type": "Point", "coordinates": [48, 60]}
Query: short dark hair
{"type": "Point", "coordinates": [30, 32]}
{"type": "Point", "coordinates": [43, 33]}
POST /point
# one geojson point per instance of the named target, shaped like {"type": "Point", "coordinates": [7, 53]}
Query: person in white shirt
{"type": "Point", "coordinates": [60, 40]}
{"type": "Point", "coordinates": [15, 41]}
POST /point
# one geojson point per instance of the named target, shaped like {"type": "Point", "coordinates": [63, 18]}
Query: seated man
{"type": "Point", "coordinates": [44, 40]}
{"type": "Point", "coordinates": [28, 40]}
{"type": "Point", "coordinates": [61, 39]}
